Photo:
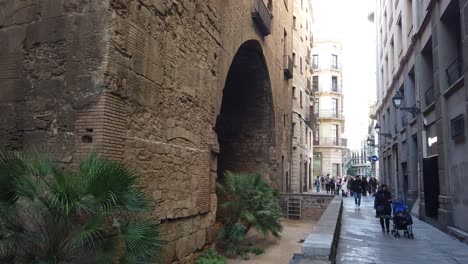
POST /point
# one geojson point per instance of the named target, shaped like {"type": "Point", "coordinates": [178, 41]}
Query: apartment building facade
{"type": "Point", "coordinates": [302, 116]}
{"type": "Point", "coordinates": [329, 144]}
{"type": "Point", "coordinates": [422, 106]}
{"type": "Point", "coordinates": [360, 161]}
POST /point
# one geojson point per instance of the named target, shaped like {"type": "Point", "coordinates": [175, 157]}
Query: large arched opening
{"type": "Point", "coordinates": [245, 126]}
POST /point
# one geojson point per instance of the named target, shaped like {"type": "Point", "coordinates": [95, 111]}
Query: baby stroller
{"type": "Point", "coordinates": [402, 220]}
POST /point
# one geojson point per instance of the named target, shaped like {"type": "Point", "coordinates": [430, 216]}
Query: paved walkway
{"type": "Point", "coordinates": [362, 240]}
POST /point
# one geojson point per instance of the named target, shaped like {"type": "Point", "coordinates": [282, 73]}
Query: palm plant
{"type": "Point", "coordinates": [246, 201]}
{"type": "Point", "coordinates": [92, 214]}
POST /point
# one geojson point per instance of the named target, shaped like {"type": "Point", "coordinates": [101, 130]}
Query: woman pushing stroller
{"type": "Point", "coordinates": [383, 207]}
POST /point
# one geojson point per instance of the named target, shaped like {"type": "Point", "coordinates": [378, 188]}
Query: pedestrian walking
{"type": "Point", "coordinates": [322, 182]}
{"type": "Point", "coordinates": [327, 183]}
{"type": "Point", "coordinates": [349, 184]}
{"type": "Point", "coordinates": [332, 185]}
{"type": "Point", "coordinates": [383, 207]}
{"type": "Point", "coordinates": [364, 185]}
{"type": "Point", "coordinates": [344, 187]}
{"type": "Point", "coordinates": [374, 185]}
{"type": "Point", "coordinates": [317, 184]}
{"type": "Point", "coordinates": [356, 188]}
{"type": "Point", "coordinates": [338, 186]}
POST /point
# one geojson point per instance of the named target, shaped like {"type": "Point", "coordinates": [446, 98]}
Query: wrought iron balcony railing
{"type": "Point", "coordinates": [454, 71]}
{"type": "Point", "coordinates": [429, 96]}
{"type": "Point", "coordinates": [311, 120]}
{"type": "Point", "coordinates": [262, 17]}
{"type": "Point", "coordinates": [334, 87]}
{"type": "Point", "coordinates": [330, 141]}
{"type": "Point", "coordinates": [329, 113]}
{"type": "Point", "coordinates": [288, 67]}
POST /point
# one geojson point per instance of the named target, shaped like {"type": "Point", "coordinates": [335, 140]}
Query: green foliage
{"type": "Point", "coordinates": [49, 214]}
{"type": "Point", "coordinates": [211, 257]}
{"type": "Point", "coordinates": [246, 201]}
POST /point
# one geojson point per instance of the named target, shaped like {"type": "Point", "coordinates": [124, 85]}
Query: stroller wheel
{"type": "Point", "coordinates": [397, 234]}
{"type": "Point", "coordinates": [411, 236]}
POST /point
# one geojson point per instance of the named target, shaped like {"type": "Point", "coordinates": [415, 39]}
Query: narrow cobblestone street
{"type": "Point", "coordinates": [362, 241]}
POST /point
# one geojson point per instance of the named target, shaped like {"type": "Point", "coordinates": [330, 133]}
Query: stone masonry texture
{"type": "Point", "coordinates": [142, 81]}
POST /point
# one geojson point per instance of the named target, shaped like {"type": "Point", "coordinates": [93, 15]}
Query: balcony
{"type": "Point", "coordinates": [335, 88]}
{"type": "Point", "coordinates": [429, 96]}
{"type": "Point", "coordinates": [262, 17]}
{"type": "Point", "coordinates": [288, 67]}
{"type": "Point", "coordinates": [311, 120]}
{"type": "Point", "coordinates": [335, 67]}
{"type": "Point", "coordinates": [330, 141]}
{"type": "Point", "coordinates": [454, 71]}
{"type": "Point", "coordinates": [329, 113]}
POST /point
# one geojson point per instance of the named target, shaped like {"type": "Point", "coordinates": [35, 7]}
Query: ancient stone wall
{"type": "Point", "coordinates": [52, 59]}
{"type": "Point", "coordinates": [143, 81]}
{"type": "Point", "coordinates": [312, 205]}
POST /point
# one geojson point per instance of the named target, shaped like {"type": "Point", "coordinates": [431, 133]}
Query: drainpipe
{"type": "Point", "coordinates": [290, 152]}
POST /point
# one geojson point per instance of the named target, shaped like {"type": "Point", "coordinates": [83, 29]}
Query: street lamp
{"type": "Point", "coordinates": [370, 142]}
{"type": "Point", "coordinates": [377, 129]}
{"type": "Point", "coordinates": [398, 99]}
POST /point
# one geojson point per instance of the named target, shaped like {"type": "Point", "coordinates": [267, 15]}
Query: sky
{"type": "Point", "coordinates": [347, 21]}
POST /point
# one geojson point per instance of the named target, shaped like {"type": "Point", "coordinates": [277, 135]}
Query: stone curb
{"type": "Point", "coordinates": [321, 244]}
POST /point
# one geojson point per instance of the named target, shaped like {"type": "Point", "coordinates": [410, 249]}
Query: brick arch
{"type": "Point", "coordinates": [245, 126]}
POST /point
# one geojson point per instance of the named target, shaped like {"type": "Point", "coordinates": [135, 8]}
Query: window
{"type": "Point", "coordinates": [300, 65]}
{"type": "Point", "coordinates": [294, 22]}
{"type": "Point", "coordinates": [335, 169]}
{"type": "Point", "coordinates": [294, 92]}
{"type": "Point", "coordinates": [334, 133]}
{"type": "Point", "coordinates": [315, 83]}
{"type": "Point", "coordinates": [334, 63]}
{"type": "Point", "coordinates": [335, 107]}
{"type": "Point", "coordinates": [334, 84]}
{"type": "Point", "coordinates": [315, 61]}
{"type": "Point", "coordinates": [294, 58]}
{"type": "Point", "coordinates": [300, 98]}
{"type": "Point", "coordinates": [300, 132]}
{"type": "Point", "coordinates": [306, 135]}
{"type": "Point", "coordinates": [316, 106]}
{"type": "Point", "coordinates": [458, 127]}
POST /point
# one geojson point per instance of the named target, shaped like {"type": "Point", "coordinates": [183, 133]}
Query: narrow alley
{"type": "Point", "coordinates": [362, 241]}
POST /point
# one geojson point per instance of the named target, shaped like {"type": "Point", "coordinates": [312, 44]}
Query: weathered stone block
{"type": "Point", "coordinates": [168, 254]}
{"type": "Point", "coordinates": [211, 234]}
{"type": "Point", "coordinates": [185, 246]}
{"type": "Point", "coordinates": [52, 8]}
{"type": "Point", "coordinates": [200, 238]}
{"type": "Point", "coordinates": [50, 30]}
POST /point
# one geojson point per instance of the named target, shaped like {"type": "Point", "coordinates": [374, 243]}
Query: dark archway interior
{"type": "Point", "coordinates": [245, 126]}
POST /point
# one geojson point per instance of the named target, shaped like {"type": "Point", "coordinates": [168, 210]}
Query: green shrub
{"type": "Point", "coordinates": [87, 215]}
{"type": "Point", "coordinates": [246, 201]}
{"type": "Point", "coordinates": [211, 257]}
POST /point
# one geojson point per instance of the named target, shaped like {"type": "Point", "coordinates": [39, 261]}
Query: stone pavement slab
{"type": "Point", "coordinates": [362, 240]}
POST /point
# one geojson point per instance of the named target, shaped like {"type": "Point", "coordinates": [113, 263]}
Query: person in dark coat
{"type": "Point", "coordinates": [364, 184]}
{"type": "Point", "coordinates": [357, 191]}
{"type": "Point", "coordinates": [383, 206]}
{"type": "Point", "coordinates": [349, 184]}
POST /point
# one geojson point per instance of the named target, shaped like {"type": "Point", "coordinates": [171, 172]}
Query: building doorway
{"type": "Point", "coordinates": [431, 186]}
